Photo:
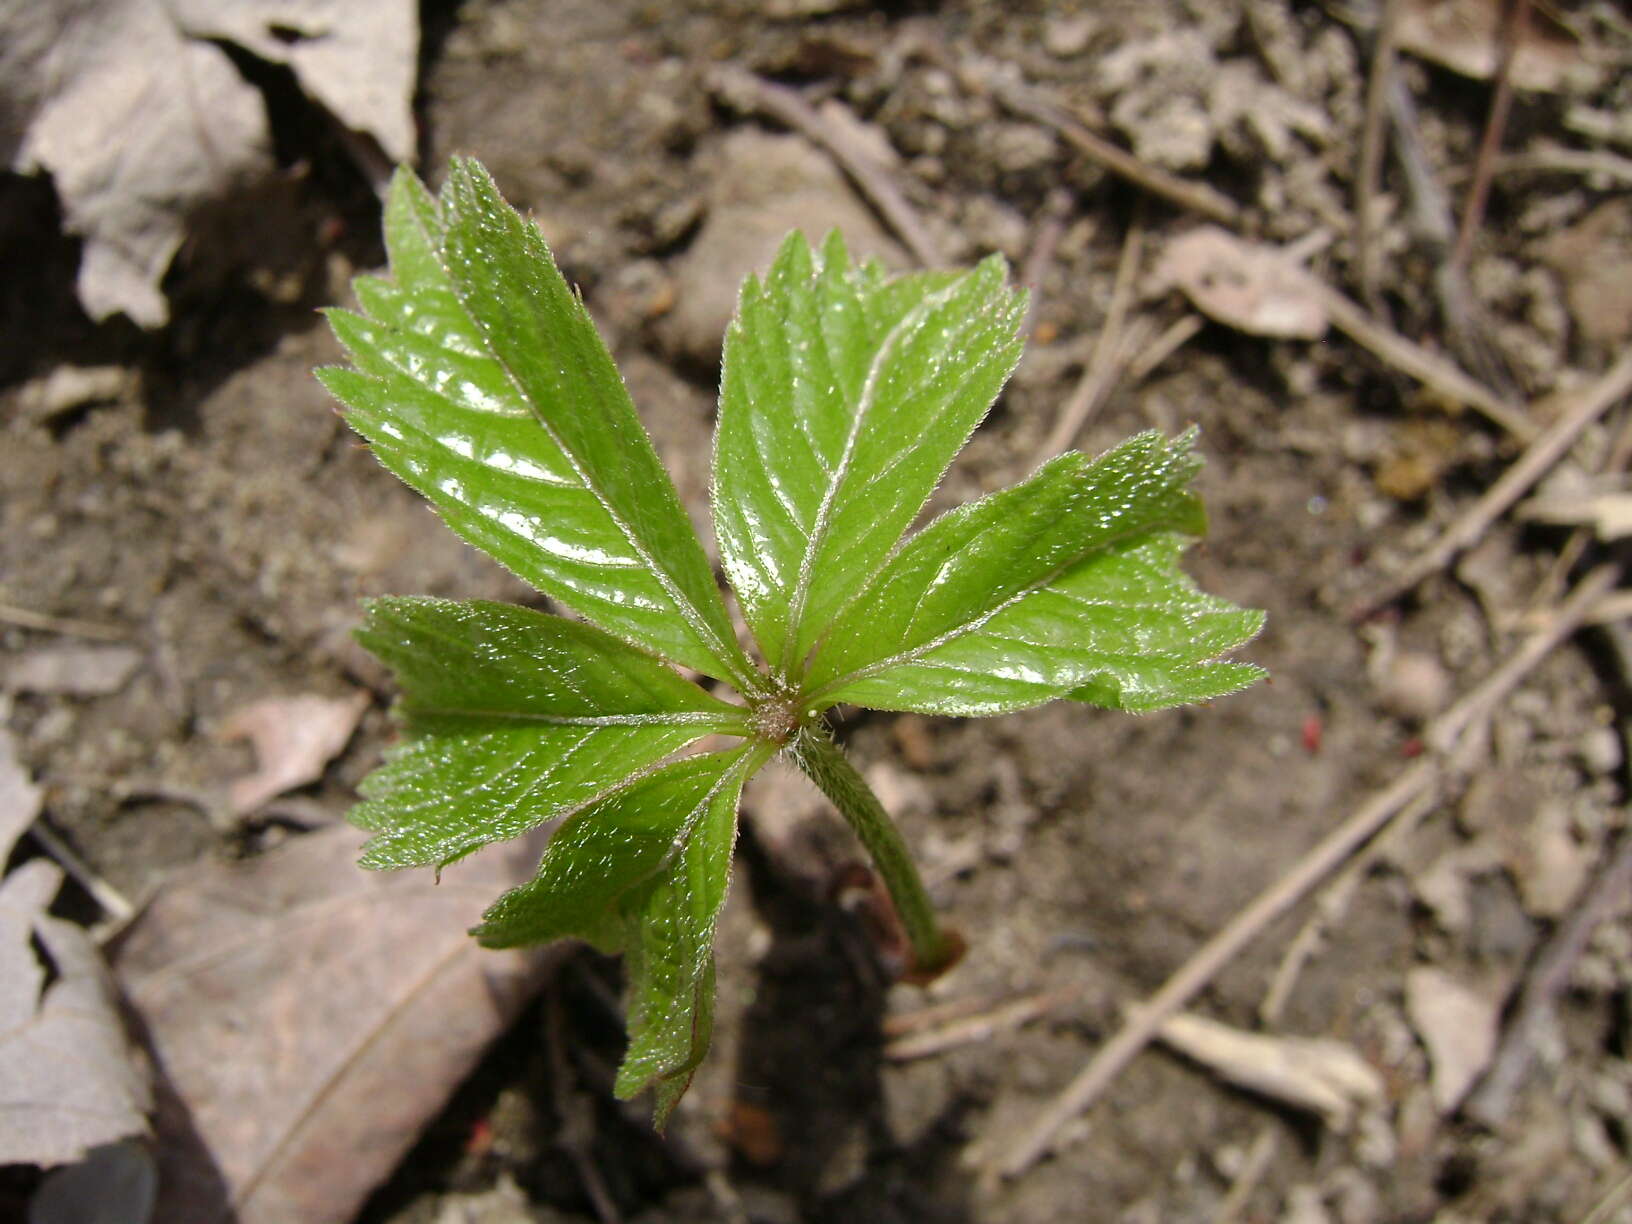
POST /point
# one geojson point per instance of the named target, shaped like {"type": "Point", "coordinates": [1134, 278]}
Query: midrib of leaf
{"type": "Point", "coordinates": [727, 654]}
{"type": "Point", "coordinates": [973, 625]}
{"type": "Point", "coordinates": [696, 718]}
{"type": "Point", "coordinates": [824, 516]}
{"type": "Point", "coordinates": [753, 756]}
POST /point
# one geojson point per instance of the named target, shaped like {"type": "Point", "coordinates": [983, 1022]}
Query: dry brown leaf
{"type": "Point", "coordinates": [309, 1018]}
{"type": "Point", "coordinates": [1594, 258]}
{"type": "Point", "coordinates": [1465, 36]}
{"type": "Point", "coordinates": [294, 739]}
{"type": "Point", "coordinates": [358, 60]}
{"type": "Point", "coordinates": [138, 114]}
{"type": "Point", "coordinates": [68, 1080]}
{"type": "Point", "coordinates": [75, 670]}
{"type": "Point", "coordinates": [137, 125]}
{"type": "Point", "coordinates": [1317, 1074]}
{"type": "Point", "coordinates": [20, 799]}
{"type": "Point", "coordinates": [1458, 1026]}
{"type": "Point", "coordinates": [1251, 288]}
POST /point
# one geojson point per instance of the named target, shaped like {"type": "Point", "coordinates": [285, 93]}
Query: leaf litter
{"type": "Point", "coordinates": [68, 1079]}
{"type": "Point", "coordinates": [297, 1008]}
{"type": "Point", "coordinates": [140, 117]}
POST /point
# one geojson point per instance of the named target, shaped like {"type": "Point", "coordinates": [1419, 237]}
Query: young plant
{"type": "Point", "coordinates": [479, 379]}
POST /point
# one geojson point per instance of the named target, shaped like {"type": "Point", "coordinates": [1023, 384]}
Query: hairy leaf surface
{"type": "Point", "coordinates": [644, 872]}
{"type": "Point", "coordinates": [1065, 584]}
{"type": "Point", "coordinates": [843, 398]}
{"type": "Point", "coordinates": [478, 378]}
{"type": "Point", "coordinates": [480, 381]}
{"type": "Point", "coordinates": [515, 718]}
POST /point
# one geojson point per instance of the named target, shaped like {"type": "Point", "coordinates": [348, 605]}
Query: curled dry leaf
{"type": "Point", "coordinates": [68, 1081]}
{"type": "Point", "coordinates": [1318, 1074]}
{"type": "Point", "coordinates": [357, 60]}
{"type": "Point", "coordinates": [137, 125]}
{"type": "Point", "coordinates": [308, 1018]}
{"type": "Point", "coordinates": [138, 114]}
{"type": "Point", "coordinates": [72, 669]}
{"type": "Point", "coordinates": [1252, 288]}
{"type": "Point", "coordinates": [1458, 1027]}
{"type": "Point", "coordinates": [294, 738]}
{"type": "Point", "coordinates": [1466, 37]}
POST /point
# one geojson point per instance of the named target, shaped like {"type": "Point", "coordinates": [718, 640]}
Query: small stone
{"type": "Point", "coordinates": [1065, 37]}
{"type": "Point", "coordinates": [1601, 750]}
{"type": "Point", "coordinates": [1414, 685]}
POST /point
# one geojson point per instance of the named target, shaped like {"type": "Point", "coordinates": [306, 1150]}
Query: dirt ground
{"type": "Point", "coordinates": [220, 517]}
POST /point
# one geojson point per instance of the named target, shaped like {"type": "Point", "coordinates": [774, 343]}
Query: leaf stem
{"type": "Point", "coordinates": [822, 762]}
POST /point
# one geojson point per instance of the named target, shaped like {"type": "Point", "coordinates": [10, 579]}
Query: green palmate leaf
{"type": "Point", "coordinates": [481, 382]}
{"type": "Point", "coordinates": [477, 377]}
{"type": "Point", "coordinates": [1064, 585]}
{"type": "Point", "coordinates": [644, 871]}
{"type": "Point", "coordinates": [514, 718]}
{"type": "Point", "coordinates": [844, 396]}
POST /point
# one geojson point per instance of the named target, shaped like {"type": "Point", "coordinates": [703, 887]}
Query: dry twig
{"type": "Point", "coordinates": [1427, 368]}
{"type": "Point", "coordinates": [747, 92]}
{"type": "Point", "coordinates": [1251, 1173]}
{"type": "Point", "coordinates": [113, 903]}
{"type": "Point", "coordinates": [1424, 776]}
{"type": "Point", "coordinates": [27, 619]}
{"type": "Point", "coordinates": [1051, 221]}
{"type": "Point", "coordinates": [1371, 152]}
{"type": "Point", "coordinates": [1593, 162]}
{"type": "Point", "coordinates": [1107, 362]}
{"type": "Point", "coordinates": [1473, 213]}
{"type": "Point", "coordinates": [981, 1027]}
{"type": "Point", "coordinates": [1546, 450]}
{"type": "Point", "coordinates": [1492, 1100]}
{"type": "Point", "coordinates": [1193, 197]}
{"type": "Point", "coordinates": [1171, 340]}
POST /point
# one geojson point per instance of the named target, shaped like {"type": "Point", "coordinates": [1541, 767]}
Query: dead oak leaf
{"type": "Point", "coordinates": [139, 115]}
{"type": "Point", "coordinates": [68, 1081]}
{"type": "Point", "coordinates": [294, 739]}
{"type": "Point", "coordinates": [1252, 288]}
{"type": "Point", "coordinates": [308, 1018]}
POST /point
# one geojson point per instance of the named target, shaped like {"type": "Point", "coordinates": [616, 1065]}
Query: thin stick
{"type": "Point", "coordinates": [1430, 211]}
{"type": "Point", "coordinates": [748, 92]}
{"type": "Point", "coordinates": [1144, 1021]}
{"type": "Point", "coordinates": [1491, 1100]}
{"type": "Point", "coordinates": [1175, 337]}
{"type": "Point", "coordinates": [1568, 161]}
{"type": "Point", "coordinates": [1428, 368]}
{"type": "Point", "coordinates": [1371, 152]}
{"type": "Point", "coordinates": [983, 1027]}
{"type": "Point", "coordinates": [1050, 229]}
{"type": "Point", "coordinates": [26, 619]}
{"type": "Point", "coordinates": [1422, 777]}
{"type": "Point", "coordinates": [1477, 706]}
{"type": "Point", "coordinates": [1101, 370]}
{"type": "Point", "coordinates": [1252, 1172]}
{"type": "Point", "coordinates": [1613, 1197]}
{"type": "Point", "coordinates": [114, 904]}
{"type": "Point", "coordinates": [1330, 907]}
{"type": "Point", "coordinates": [1193, 197]}
{"type": "Point", "coordinates": [1530, 467]}
{"type": "Point", "coordinates": [1473, 214]}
